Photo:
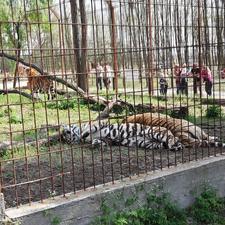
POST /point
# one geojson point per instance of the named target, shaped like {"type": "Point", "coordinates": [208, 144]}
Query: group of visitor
{"type": "Point", "coordinates": [104, 75]}
{"type": "Point", "coordinates": [199, 75]}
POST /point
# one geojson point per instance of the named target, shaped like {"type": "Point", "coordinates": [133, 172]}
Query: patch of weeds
{"type": "Point", "coordinates": [3, 152]}
{"type": "Point", "coordinates": [59, 105]}
{"type": "Point", "coordinates": [64, 104]}
{"type": "Point", "coordinates": [38, 105]}
{"type": "Point", "coordinates": [159, 210]}
{"type": "Point", "coordinates": [130, 201]}
{"type": "Point", "coordinates": [191, 119]}
{"type": "Point", "coordinates": [213, 111]}
{"type": "Point", "coordinates": [7, 111]}
{"type": "Point", "coordinates": [8, 175]}
{"type": "Point", "coordinates": [97, 107]}
{"type": "Point", "coordinates": [208, 208]}
{"type": "Point", "coordinates": [15, 119]}
{"type": "Point", "coordinates": [163, 211]}
{"type": "Point", "coordinates": [19, 152]}
{"type": "Point", "coordinates": [28, 135]}
{"type": "Point", "coordinates": [55, 220]}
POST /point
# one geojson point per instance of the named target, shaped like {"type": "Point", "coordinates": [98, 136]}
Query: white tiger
{"type": "Point", "coordinates": [125, 134]}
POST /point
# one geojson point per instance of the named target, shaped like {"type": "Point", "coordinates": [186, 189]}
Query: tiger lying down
{"type": "Point", "coordinates": [148, 131]}
{"type": "Point", "coordinates": [125, 134]}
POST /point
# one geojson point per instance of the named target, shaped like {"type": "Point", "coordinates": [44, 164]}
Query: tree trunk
{"type": "Point", "coordinates": [80, 47]}
{"type": "Point", "coordinates": [18, 51]}
{"type": "Point", "coordinates": [114, 45]}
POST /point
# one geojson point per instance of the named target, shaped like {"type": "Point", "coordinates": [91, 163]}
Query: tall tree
{"type": "Point", "coordinates": [80, 46]}
{"type": "Point", "coordinates": [113, 43]}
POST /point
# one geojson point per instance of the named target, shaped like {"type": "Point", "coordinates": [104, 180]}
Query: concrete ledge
{"type": "Point", "coordinates": [80, 208]}
{"type": "Point", "coordinates": [2, 207]}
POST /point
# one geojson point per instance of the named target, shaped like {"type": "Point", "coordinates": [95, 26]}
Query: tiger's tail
{"type": "Point", "coordinates": [216, 144]}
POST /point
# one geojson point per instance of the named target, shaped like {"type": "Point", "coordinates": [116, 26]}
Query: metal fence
{"type": "Point", "coordinates": [72, 62]}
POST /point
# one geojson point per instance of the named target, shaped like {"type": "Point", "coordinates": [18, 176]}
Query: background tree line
{"type": "Point", "coordinates": [64, 37]}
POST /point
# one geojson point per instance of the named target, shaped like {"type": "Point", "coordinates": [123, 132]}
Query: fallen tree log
{"type": "Point", "coordinates": [115, 102]}
{"type": "Point", "coordinates": [4, 92]}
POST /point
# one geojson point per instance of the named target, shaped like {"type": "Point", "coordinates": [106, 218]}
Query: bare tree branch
{"type": "Point", "coordinates": [4, 92]}
{"type": "Point", "coordinates": [80, 92]}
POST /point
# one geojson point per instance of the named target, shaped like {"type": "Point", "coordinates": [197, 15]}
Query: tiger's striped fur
{"type": "Point", "coordinates": [125, 134]}
{"type": "Point", "coordinates": [189, 134]}
{"type": "Point", "coordinates": [39, 84]}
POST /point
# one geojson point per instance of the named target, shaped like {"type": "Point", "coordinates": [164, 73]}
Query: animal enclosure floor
{"type": "Point", "coordinates": [61, 172]}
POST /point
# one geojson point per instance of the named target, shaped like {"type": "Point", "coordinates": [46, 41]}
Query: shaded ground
{"type": "Point", "coordinates": [64, 169]}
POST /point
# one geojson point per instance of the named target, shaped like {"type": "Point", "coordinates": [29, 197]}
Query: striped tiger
{"type": "Point", "coordinates": [39, 84]}
{"type": "Point", "coordinates": [125, 134]}
{"type": "Point", "coordinates": [189, 134]}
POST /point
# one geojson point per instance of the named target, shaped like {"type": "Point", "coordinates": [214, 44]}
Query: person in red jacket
{"type": "Point", "coordinates": [222, 72]}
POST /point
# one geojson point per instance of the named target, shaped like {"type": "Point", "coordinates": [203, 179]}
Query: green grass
{"type": "Point", "coordinates": [18, 114]}
{"type": "Point", "coordinates": [19, 152]}
{"type": "Point", "coordinates": [35, 115]}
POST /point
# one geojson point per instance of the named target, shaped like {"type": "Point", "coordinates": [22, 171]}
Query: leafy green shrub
{"type": "Point", "coordinates": [62, 105]}
{"type": "Point", "coordinates": [66, 104]}
{"type": "Point", "coordinates": [191, 119]}
{"type": "Point", "coordinates": [7, 111]}
{"type": "Point", "coordinates": [56, 220]}
{"type": "Point", "coordinates": [208, 208]}
{"type": "Point", "coordinates": [97, 107]}
{"type": "Point", "coordinates": [158, 211]}
{"type": "Point", "coordinates": [3, 152]}
{"type": "Point", "coordinates": [15, 119]}
{"type": "Point", "coordinates": [213, 111]}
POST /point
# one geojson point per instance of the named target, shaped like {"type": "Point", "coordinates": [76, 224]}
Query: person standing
{"type": "Point", "coordinates": [107, 76]}
{"type": "Point", "coordinates": [196, 78]}
{"type": "Point", "coordinates": [177, 77]}
{"type": "Point", "coordinates": [183, 80]}
{"type": "Point", "coordinates": [222, 72]}
{"type": "Point", "coordinates": [163, 84]}
{"type": "Point", "coordinates": [206, 75]}
{"type": "Point", "coordinates": [99, 71]}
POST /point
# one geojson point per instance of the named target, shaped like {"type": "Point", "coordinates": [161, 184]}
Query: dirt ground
{"type": "Point", "coordinates": [67, 169]}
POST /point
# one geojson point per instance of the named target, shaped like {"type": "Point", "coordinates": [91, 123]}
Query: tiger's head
{"type": "Point", "coordinates": [71, 134]}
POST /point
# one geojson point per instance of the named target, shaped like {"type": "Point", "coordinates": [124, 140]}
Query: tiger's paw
{"type": "Point", "coordinates": [177, 147]}
{"type": "Point", "coordinates": [97, 143]}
